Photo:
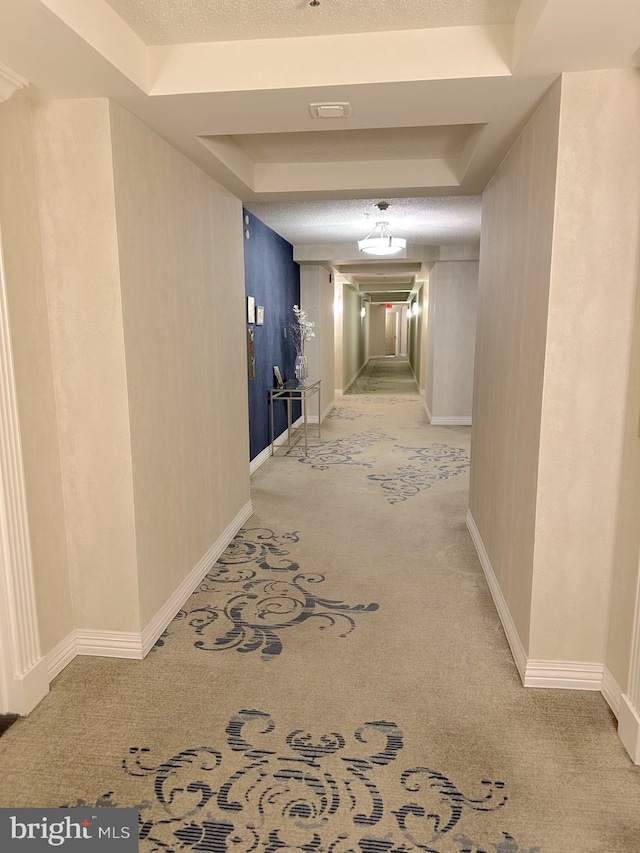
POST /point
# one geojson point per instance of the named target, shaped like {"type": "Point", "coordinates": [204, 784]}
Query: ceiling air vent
{"type": "Point", "coordinates": [337, 110]}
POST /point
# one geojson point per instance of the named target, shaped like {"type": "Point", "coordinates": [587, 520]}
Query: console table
{"type": "Point", "coordinates": [300, 390]}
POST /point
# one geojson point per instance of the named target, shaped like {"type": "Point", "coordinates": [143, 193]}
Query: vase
{"type": "Point", "coordinates": [302, 368]}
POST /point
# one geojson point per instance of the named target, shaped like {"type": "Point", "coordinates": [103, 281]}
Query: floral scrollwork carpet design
{"type": "Point", "coordinates": [347, 413]}
{"type": "Point", "coordinates": [315, 793]}
{"type": "Point", "coordinates": [340, 451]}
{"type": "Point", "coordinates": [370, 378]}
{"type": "Point", "coordinates": [436, 462]}
{"type": "Point", "coordinates": [242, 606]}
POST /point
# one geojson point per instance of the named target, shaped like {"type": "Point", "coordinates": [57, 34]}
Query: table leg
{"type": "Point", "coordinates": [319, 415]}
{"type": "Point", "coordinates": [271, 419]}
{"type": "Point", "coordinates": [304, 418]}
{"type": "Point", "coordinates": [289, 419]}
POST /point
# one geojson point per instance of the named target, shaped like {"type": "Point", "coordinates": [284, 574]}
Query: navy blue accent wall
{"type": "Point", "coordinates": [273, 279]}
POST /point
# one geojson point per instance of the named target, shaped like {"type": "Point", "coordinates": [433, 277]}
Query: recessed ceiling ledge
{"type": "Point", "coordinates": [97, 24]}
{"type": "Point", "coordinates": [428, 54]}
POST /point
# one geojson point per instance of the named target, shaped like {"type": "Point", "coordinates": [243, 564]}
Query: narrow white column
{"type": "Point", "coordinates": [23, 674]}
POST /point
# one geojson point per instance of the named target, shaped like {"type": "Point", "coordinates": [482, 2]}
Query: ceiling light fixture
{"type": "Point", "coordinates": [380, 241]}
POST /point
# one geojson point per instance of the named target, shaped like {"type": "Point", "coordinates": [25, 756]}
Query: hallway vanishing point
{"type": "Point", "coordinates": [340, 681]}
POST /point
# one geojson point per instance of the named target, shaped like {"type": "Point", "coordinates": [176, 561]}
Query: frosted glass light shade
{"type": "Point", "coordinates": [381, 242]}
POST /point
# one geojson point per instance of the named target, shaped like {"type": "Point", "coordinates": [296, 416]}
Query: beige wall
{"type": "Point", "coordinates": [353, 344]}
{"type": "Point", "coordinates": [428, 340]}
{"type": "Point", "coordinates": [424, 356]}
{"type": "Point", "coordinates": [366, 331]}
{"type": "Point", "coordinates": [79, 246]}
{"type": "Point", "coordinates": [627, 551]}
{"type": "Point", "coordinates": [21, 245]}
{"type": "Point", "coordinates": [327, 353]}
{"type": "Point", "coordinates": [558, 274]}
{"type": "Point", "coordinates": [403, 329]}
{"type": "Point", "coordinates": [125, 277]}
{"type": "Point", "coordinates": [182, 281]}
{"type": "Point", "coordinates": [515, 264]}
{"type": "Point", "coordinates": [317, 294]}
{"type": "Point", "coordinates": [415, 340]}
{"type": "Point", "coordinates": [338, 382]}
{"type": "Point", "coordinates": [593, 281]}
{"type": "Point", "coordinates": [451, 335]}
{"type": "Point", "coordinates": [376, 330]}
{"type": "Point", "coordinates": [325, 321]}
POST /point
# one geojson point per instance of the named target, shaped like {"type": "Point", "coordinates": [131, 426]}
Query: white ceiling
{"type": "Point", "coordinates": [431, 221]}
{"type": "Point", "coordinates": [184, 21]}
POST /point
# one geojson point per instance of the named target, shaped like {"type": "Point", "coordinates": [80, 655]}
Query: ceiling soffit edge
{"type": "Point", "coordinates": [10, 82]}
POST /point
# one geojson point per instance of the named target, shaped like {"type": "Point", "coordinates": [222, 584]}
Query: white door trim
{"type": "Point", "coordinates": [23, 673]}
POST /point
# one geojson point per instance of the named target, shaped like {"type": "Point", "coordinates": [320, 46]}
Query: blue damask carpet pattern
{"type": "Point", "coordinates": [347, 413]}
{"type": "Point", "coordinates": [433, 462]}
{"type": "Point", "coordinates": [341, 451]}
{"type": "Point", "coordinates": [339, 681]}
{"type": "Point", "coordinates": [309, 792]}
{"type": "Point", "coordinates": [371, 377]}
{"type": "Point", "coordinates": [253, 594]}
{"type": "Point", "coordinates": [436, 462]}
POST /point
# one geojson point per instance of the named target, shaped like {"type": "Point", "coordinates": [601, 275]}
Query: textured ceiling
{"type": "Point", "coordinates": [444, 220]}
{"type": "Point", "coordinates": [393, 143]}
{"type": "Point", "coordinates": [185, 21]}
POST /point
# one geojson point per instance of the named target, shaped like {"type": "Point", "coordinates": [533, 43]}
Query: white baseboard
{"type": "Point", "coordinates": [563, 675]}
{"type": "Point", "coordinates": [629, 728]}
{"type": "Point", "coordinates": [513, 638]}
{"type": "Point", "coordinates": [313, 419]}
{"type": "Point", "coordinates": [61, 655]}
{"type": "Point", "coordinates": [355, 376]}
{"type": "Point", "coordinates": [23, 694]}
{"type": "Point", "coordinates": [611, 691]}
{"type": "Point", "coordinates": [109, 644]}
{"type": "Point", "coordinates": [132, 645]}
{"type": "Point", "coordinates": [338, 392]}
{"type": "Point", "coordinates": [345, 390]}
{"type": "Point", "coordinates": [453, 420]}
{"type": "Point", "coordinates": [265, 454]}
{"type": "Point", "coordinates": [163, 617]}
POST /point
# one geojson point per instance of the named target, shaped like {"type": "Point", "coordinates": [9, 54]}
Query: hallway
{"type": "Point", "coordinates": [340, 681]}
{"type": "Point", "coordinates": [384, 376]}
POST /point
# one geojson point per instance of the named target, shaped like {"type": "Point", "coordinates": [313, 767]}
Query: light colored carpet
{"type": "Point", "coordinates": [340, 682]}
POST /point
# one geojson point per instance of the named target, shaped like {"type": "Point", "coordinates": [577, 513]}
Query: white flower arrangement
{"type": "Point", "coordinates": [302, 330]}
